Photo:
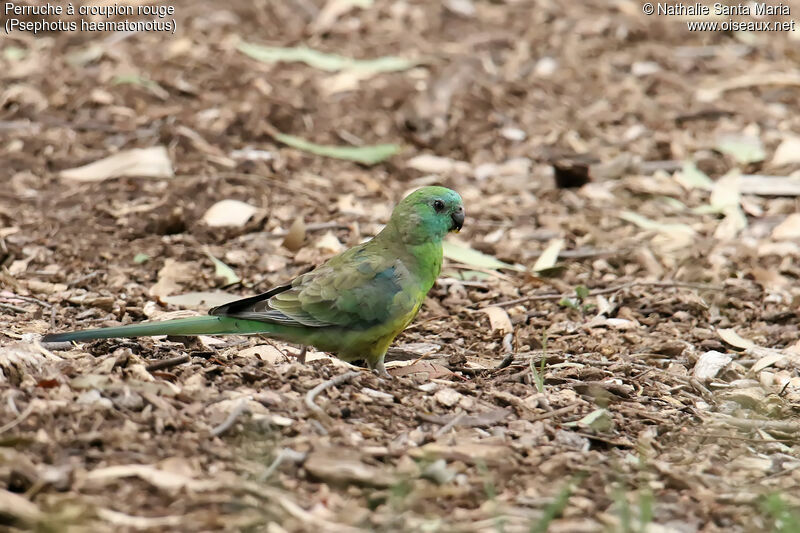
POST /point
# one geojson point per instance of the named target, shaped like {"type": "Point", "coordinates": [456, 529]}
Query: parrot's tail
{"type": "Point", "coordinates": [196, 325]}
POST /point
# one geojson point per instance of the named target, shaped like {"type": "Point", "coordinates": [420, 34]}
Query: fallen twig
{"type": "Point", "coordinates": [556, 412]}
{"type": "Point", "coordinates": [240, 409]}
{"type": "Point", "coordinates": [58, 346]}
{"type": "Point", "coordinates": [30, 299]}
{"type": "Point", "coordinates": [14, 423]}
{"type": "Point", "coordinates": [450, 425]}
{"type": "Point", "coordinates": [83, 278]}
{"type": "Point", "coordinates": [168, 363]}
{"type": "Point", "coordinates": [462, 419]}
{"type": "Point", "coordinates": [507, 339]}
{"type": "Point", "coordinates": [301, 357]}
{"type": "Point", "coordinates": [14, 308]}
{"type": "Point", "coordinates": [45, 351]}
{"type": "Point", "coordinates": [312, 394]}
{"type": "Point", "coordinates": [509, 349]}
{"type": "Point", "coordinates": [284, 455]}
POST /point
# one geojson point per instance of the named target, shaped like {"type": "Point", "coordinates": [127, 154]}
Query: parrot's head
{"type": "Point", "coordinates": [428, 214]}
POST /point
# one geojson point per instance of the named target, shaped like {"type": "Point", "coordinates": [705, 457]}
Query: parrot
{"type": "Point", "coordinates": [353, 305]}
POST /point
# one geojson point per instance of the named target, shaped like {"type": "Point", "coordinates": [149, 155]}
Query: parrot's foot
{"type": "Point", "coordinates": [301, 357]}
{"type": "Point", "coordinates": [380, 370]}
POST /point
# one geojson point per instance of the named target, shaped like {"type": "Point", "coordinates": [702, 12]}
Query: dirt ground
{"type": "Point", "coordinates": [648, 381]}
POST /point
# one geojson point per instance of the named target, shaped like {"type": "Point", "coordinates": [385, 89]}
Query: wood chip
{"type": "Point", "coordinates": [710, 364]}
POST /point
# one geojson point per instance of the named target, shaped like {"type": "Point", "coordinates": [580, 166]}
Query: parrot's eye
{"type": "Point", "coordinates": [438, 205]}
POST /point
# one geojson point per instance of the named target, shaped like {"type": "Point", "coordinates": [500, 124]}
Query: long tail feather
{"type": "Point", "coordinates": [196, 325]}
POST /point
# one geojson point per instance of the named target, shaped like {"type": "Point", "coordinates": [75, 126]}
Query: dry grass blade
{"type": "Point", "coordinates": [333, 382]}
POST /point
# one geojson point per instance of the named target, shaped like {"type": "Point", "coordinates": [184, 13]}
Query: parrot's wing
{"type": "Point", "coordinates": [355, 289]}
{"type": "Point", "coordinates": [236, 306]}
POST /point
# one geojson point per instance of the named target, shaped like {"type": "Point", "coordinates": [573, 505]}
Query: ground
{"type": "Point", "coordinates": [645, 381]}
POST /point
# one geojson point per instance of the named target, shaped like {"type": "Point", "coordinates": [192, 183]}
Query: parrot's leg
{"type": "Point", "coordinates": [301, 357]}
{"type": "Point", "coordinates": [378, 368]}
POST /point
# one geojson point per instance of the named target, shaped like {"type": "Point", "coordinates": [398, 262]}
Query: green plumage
{"type": "Point", "coordinates": [353, 305]}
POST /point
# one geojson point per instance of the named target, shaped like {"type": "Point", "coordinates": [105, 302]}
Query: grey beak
{"type": "Point", "coordinates": [458, 219]}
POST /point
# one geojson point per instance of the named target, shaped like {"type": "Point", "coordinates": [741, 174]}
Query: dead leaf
{"type": "Point", "coordinates": [614, 323]}
{"type": "Point", "coordinates": [769, 279]}
{"type": "Point", "coordinates": [710, 364]}
{"type": "Point", "coordinates": [789, 229]}
{"type": "Point", "coordinates": [519, 168]}
{"type": "Point", "coordinates": [652, 225]}
{"type": "Point", "coordinates": [730, 226]}
{"type": "Point", "coordinates": [692, 177]}
{"type": "Point", "coordinates": [448, 397]}
{"type": "Point", "coordinates": [498, 319]}
{"type": "Point", "coordinates": [745, 149]}
{"type": "Point", "coordinates": [221, 270]}
{"type": "Point", "coordinates": [767, 361]}
{"type": "Point", "coordinates": [333, 466]}
{"type": "Point", "coordinates": [598, 420]}
{"type": "Point", "coordinates": [163, 479]}
{"type": "Point", "coordinates": [107, 383]}
{"type": "Point", "coordinates": [485, 419]}
{"type": "Point", "coordinates": [725, 193]}
{"type": "Point", "coordinates": [21, 358]}
{"type": "Point", "coordinates": [329, 243]}
{"type": "Point", "coordinates": [549, 255]}
{"type": "Point", "coordinates": [45, 287]}
{"type": "Point", "coordinates": [151, 162]}
{"type": "Point", "coordinates": [788, 152]}
{"type": "Point", "coordinates": [171, 277]}
{"type": "Point", "coordinates": [264, 352]}
{"type": "Point", "coordinates": [140, 522]}
{"type": "Point", "coordinates": [731, 337]}
{"type": "Point", "coordinates": [348, 80]}
{"type": "Point", "coordinates": [19, 508]}
{"type": "Point", "coordinates": [229, 213]}
{"type": "Point", "coordinates": [432, 369]}
{"type": "Point", "coordinates": [769, 185]}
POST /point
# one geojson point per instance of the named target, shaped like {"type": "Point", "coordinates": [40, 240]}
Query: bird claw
{"type": "Point", "coordinates": [380, 371]}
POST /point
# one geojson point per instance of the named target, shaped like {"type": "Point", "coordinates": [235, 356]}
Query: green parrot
{"type": "Point", "coordinates": [353, 305]}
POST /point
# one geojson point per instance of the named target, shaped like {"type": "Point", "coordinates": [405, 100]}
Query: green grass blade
{"type": "Point", "coordinates": [367, 155]}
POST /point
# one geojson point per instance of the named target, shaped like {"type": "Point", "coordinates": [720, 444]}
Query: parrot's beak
{"type": "Point", "coordinates": [458, 219]}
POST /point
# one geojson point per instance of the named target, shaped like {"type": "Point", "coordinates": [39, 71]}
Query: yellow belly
{"type": "Point", "coordinates": [372, 344]}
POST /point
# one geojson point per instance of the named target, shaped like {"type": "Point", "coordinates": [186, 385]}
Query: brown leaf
{"type": "Point", "coordinates": [432, 369]}
{"type": "Point", "coordinates": [498, 319]}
